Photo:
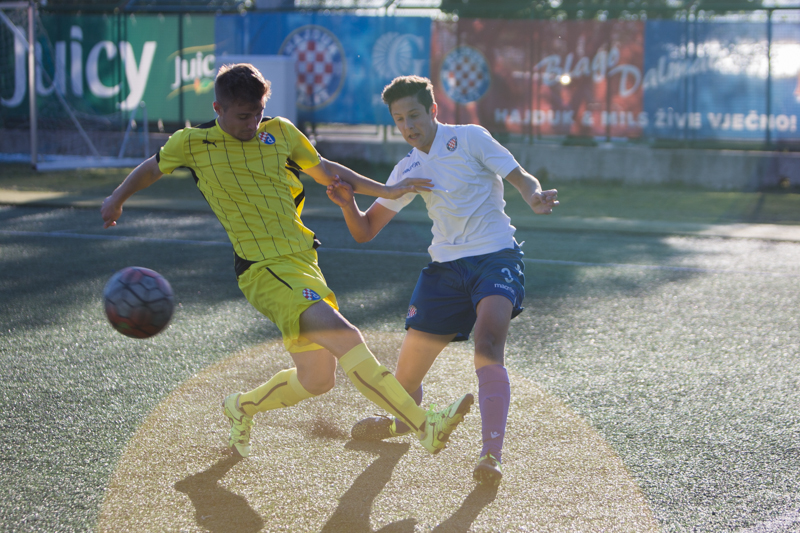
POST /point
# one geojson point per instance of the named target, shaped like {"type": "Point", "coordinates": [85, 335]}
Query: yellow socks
{"type": "Point", "coordinates": [283, 390]}
{"type": "Point", "coordinates": [372, 379]}
{"type": "Point", "coordinates": [379, 385]}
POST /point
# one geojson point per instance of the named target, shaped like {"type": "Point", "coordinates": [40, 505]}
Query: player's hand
{"type": "Point", "coordinates": [408, 185]}
{"type": "Point", "coordinates": [340, 192]}
{"type": "Point", "coordinates": [543, 202]}
{"type": "Point", "coordinates": [110, 211]}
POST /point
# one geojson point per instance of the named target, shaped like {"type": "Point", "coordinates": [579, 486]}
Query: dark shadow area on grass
{"type": "Point", "coordinates": [352, 513]}
{"type": "Point", "coordinates": [53, 269]}
{"type": "Point", "coordinates": [50, 273]}
{"type": "Point", "coordinates": [217, 509]}
{"type": "Point", "coordinates": [320, 428]}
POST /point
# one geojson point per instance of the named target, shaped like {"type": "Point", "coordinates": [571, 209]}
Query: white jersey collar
{"type": "Point", "coordinates": [436, 145]}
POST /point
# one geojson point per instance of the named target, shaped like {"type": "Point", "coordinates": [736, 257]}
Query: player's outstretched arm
{"type": "Point", "coordinates": [363, 226]}
{"type": "Point", "coordinates": [326, 171]}
{"type": "Point", "coordinates": [141, 177]}
{"type": "Point", "coordinates": [541, 202]}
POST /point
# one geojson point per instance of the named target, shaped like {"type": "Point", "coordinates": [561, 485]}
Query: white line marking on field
{"type": "Point", "coordinates": [94, 236]}
{"type": "Point", "coordinates": [781, 523]}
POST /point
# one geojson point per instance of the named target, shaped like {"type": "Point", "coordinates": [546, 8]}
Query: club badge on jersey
{"type": "Point", "coordinates": [452, 144]}
{"type": "Point", "coordinates": [310, 295]}
{"type": "Point", "coordinates": [412, 311]}
{"type": "Point", "coordinates": [266, 138]}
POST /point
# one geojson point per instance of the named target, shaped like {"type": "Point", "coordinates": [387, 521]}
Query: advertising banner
{"type": "Point", "coordinates": [660, 79]}
{"type": "Point", "coordinates": [191, 87]}
{"type": "Point", "coordinates": [108, 65]}
{"type": "Point", "coordinates": [343, 62]}
{"type": "Point", "coordinates": [722, 80]}
{"type": "Point", "coordinates": [540, 77]}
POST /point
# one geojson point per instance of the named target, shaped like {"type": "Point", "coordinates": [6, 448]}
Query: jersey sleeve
{"type": "Point", "coordinates": [493, 155]}
{"type": "Point", "coordinates": [172, 154]}
{"type": "Point", "coordinates": [303, 152]}
{"type": "Point", "coordinates": [398, 203]}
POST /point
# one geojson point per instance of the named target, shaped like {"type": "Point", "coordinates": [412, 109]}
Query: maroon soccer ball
{"type": "Point", "coordinates": [138, 302]}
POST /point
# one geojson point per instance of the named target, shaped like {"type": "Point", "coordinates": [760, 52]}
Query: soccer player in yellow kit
{"type": "Point", "coordinates": [247, 168]}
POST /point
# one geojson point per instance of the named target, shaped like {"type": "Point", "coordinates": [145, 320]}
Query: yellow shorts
{"type": "Point", "coordinates": [281, 288]}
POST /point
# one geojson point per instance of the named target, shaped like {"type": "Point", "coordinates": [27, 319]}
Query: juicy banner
{"type": "Point", "coordinates": [106, 64]}
{"type": "Point", "coordinates": [57, 69]}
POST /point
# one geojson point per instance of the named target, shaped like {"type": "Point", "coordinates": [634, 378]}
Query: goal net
{"type": "Point", "coordinates": [44, 120]}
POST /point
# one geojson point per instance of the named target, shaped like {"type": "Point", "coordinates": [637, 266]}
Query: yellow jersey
{"type": "Point", "coordinates": [252, 186]}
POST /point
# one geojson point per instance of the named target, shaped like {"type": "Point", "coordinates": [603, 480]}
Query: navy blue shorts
{"type": "Point", "coordinates": [447, 294]}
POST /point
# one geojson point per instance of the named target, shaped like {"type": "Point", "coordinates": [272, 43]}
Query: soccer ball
{"type": "Point", "coordinates": [138, 302]}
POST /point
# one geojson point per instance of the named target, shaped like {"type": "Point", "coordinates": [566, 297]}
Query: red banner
{"type": "Point", "coordinates": [540, 77]}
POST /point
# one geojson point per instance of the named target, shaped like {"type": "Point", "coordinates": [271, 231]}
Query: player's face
{"type": "Point", "coordinates": [240, 119]}
{"type": "Point", "coordinates": [417, 125]}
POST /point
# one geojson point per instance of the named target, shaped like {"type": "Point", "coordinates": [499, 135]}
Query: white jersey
{"type": "Point", "coordinates": [467, 166]}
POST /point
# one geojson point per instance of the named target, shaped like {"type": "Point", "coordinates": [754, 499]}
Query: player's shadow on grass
{"type": "Point", "coordinates": [352, 513]}
{"type": "Point", "coordinates": [216, 509]}
{"type": "Point", "coordinates": [465, 515]}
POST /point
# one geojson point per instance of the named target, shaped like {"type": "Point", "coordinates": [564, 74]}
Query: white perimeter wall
{"type": "Point", "coordinates": [709, 169]}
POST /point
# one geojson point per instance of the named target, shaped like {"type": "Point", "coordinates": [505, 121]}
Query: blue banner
{"type": "Point", "coordinates": [343, 62]}
{"type": "Point", "coordinates": [785, 81]}
{"type": "Point", "coordinates": [705, 80]}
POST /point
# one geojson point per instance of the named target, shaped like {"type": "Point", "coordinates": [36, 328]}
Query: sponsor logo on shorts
{"type": "Point", "coordinates": [452, 144]}
{"type": "Point", "coordinates": [308, 294]}
{"type": "Point", "coordinates": [504, 287]}
{"type": "Point", "coordinates": [412, 311]}
{"type": "Point", "coordinates": [266, 138]}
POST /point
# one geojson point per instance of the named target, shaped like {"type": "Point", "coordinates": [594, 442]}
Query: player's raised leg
{"type": "Point", "coordinates": [417, 353]}
{"type": "Point", "coordinates": [314, 374]}
{"type": "Point", "coordinates": [325, 326]}
{"type": "Point", "coordinates": [494, 391]}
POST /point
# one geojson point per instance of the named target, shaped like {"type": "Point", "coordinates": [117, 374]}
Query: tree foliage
{"type": "Point", "coordinates": [110, 6]}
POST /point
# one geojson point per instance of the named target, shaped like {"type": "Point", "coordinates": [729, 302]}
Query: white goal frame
{"type": "Point", "coordinates": [31, 7]}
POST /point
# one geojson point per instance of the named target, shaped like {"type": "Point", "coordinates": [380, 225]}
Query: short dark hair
{"type": "Point", "coordinates": [240, 82]}
{"type": "Point", "coordinates": [404, 86]}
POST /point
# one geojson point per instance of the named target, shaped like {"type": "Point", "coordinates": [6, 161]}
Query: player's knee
{"type": "Point", "coordinates": [490, 349]}
{"type": "Point", "coordinates": [322, 387]}
{"type": "Point", "coordinates": [319, 382]}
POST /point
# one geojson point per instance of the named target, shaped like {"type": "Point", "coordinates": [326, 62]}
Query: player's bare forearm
{"type": "Point", "coordinates": [360, 184]}
{"type": "Point", "coordinates": [363, 226]}
{"type": "Point", "coordinates": [364, 185]}
{"type": "Point", "coordinates": [541, 202]}
{"type": "Point", "coordinates": [140, 178]}
{"type": "Point", "coordinates": [358, 223]}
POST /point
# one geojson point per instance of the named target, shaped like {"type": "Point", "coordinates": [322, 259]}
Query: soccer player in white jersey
{"type": "Point", "coordinates": [476, 277]}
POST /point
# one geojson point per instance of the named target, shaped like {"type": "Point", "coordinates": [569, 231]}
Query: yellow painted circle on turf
{"type": "Point", "coordinates": [305, 474]}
